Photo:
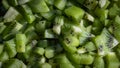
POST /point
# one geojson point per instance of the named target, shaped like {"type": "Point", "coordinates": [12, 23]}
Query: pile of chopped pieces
{"type": "Point", "coordinates": [60, 34]}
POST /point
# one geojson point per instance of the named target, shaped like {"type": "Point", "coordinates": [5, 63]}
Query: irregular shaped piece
{"type": "Point", "coordinates": [38, 6]}
{"type": "Point", "coordinates": [60, 4]}
{"type": "Point", "coordinates": [99, 62]}
{"type": "Point", "coordinates": [20, 41]}
{"type": "Point", "coordinates": [13, 63]}
{"type": "Point", "coordinates": [26, 11]}
{"type": "Point", "coordinates": [75, 13]}
{"type": "Point", "coordinates": [112, 60]}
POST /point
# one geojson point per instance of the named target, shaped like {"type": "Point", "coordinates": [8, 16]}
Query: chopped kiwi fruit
{"type": "Point", "coordinates": [116, 28]}
{"type": "Point", "coordinates": [104, 42]}
{"type": "Point", "coordinates": [60, 34]}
